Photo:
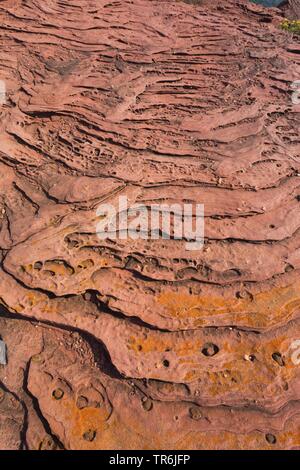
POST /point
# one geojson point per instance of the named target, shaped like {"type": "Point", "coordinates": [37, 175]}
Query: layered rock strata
{"type": "Point", "coordinates": [143, 344]}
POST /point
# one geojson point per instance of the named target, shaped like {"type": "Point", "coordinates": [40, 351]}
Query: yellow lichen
{"type": "Point", "coordinates": [261, 310]}
{"type": "Point", "coordinates": [293, 26]}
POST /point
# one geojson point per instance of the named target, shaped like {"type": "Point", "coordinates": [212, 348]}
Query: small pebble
{"type": "Point", "coordinates": [271, 439]}
{"type": "Point", "coordinates": [147, 404]}
{"type": "Point", "coordinates": [89, 435]}
{"type": "Point", "coordinates": [195, 413]}
{"type": "Point", "coordinates": [58, 394]}
{"type": "Point", "coordinates": [210, 349]}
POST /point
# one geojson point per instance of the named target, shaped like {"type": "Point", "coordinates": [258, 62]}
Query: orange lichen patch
{"type": "Point", "coordinates": [85, 425]}
{"type": "Point", "coordinates": [147, 344]}
{"type": "Point", "coordinates": [242, 377]}
{"type": "Point", "coordinates": [157, 343]}
{"type": "Point", "coordinates": [237, 379]}
{"type": "Point", "coordinates": [242, 364]}
{"type": "Point", "coordinates": [253, 441]}
{"type": "Point", "coordinates": [262, 310]}
{"type": "Point", "coordinates": [234, 376]}
{"type": "Point", "coordinates": [280, 347]}
{"type": "Point", "coordinates": [128, 435]}
{"type": "Point", "coordinates": [89, 428]}
{"type": "Point", "coordinates": [102, 317]}
{"type": "Point", "coordinates": [31, 299]}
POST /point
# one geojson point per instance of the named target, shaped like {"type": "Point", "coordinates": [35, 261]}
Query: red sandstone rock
{"type": "Point", "coordinates": [110, 341]}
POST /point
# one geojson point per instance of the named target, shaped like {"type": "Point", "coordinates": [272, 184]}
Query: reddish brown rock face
{"type": "Point", "coordinates": [109, 341]}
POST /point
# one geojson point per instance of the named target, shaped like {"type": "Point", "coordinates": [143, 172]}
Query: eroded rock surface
{"type": "Point", "coordinates": [142, 344]}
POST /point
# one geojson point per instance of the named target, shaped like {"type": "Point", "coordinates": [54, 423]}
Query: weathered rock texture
{"type": "Point", "coordinates": [293, 8]}
{"type": "Point", "coordinates": [142, 344]}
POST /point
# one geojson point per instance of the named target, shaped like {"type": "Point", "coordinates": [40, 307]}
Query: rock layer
{"type": "Point", "coordinates": [110, 341]}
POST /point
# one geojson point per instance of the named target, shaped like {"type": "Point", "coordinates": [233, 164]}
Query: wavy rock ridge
{"type": "Point", "coordinates": [141, 344]}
